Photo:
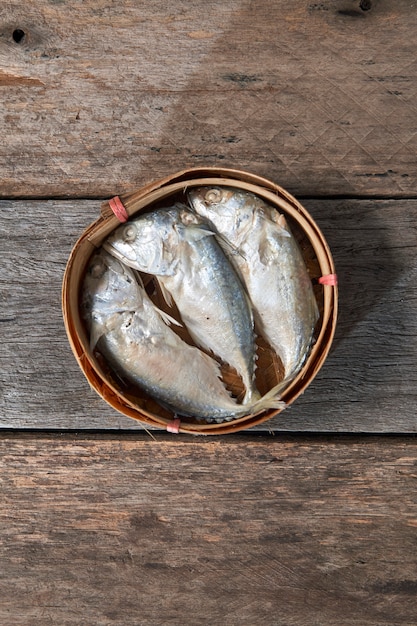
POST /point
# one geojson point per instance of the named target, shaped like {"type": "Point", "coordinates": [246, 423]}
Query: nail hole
{"type": "Point", "coordinates": [18, 35]}
{"type": "Point", "coordinates": [365, 5]}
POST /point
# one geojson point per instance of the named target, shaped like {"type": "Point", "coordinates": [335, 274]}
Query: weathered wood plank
{"type": "Point", "coordinates": [133, 531]}
{"type": "Point", "coordinates": [97, 97]}
{"type": "Point", "coordinates": [367, 384]}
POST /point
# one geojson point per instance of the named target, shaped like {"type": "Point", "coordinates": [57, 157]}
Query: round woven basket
{"type": "Point", "coordinates": [318, 260]}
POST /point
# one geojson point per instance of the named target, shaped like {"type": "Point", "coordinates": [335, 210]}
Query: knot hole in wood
{"type": "Point", "coordinates": [18, 35]}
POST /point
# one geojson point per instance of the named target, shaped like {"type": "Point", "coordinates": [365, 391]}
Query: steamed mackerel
{"type": "Point", "coordinates": [269, 261]}
{"type": "Point", "coordinates": [178, 247]}
{"type": "Point", "coordinates": [129, 331]}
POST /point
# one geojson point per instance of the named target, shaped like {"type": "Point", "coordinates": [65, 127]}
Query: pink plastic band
{"type": "Point", "coordinates": [329, 279]}
{"type": "Point", "coordinates": [119, 209]}
{"type": "Point", "coordinates": [174, 426]}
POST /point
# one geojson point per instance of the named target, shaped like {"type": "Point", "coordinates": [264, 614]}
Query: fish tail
{"type": "Point", "coordinates": [271, 399]}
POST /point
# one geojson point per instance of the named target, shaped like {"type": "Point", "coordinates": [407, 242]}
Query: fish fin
{"type": "Point", "coordinates": [198, 232]}
{"type": "Point", "coordinates": [214, 364]}
{"type": "Point", "coordinates": [191, 225]}
{"type": "Point", "coordinates": [138, 277]}
{"type": "Point", "coordinates": [268, 253]}
{"type": "Point", "coordinates": [165, 293]}
{"type": "Point", "coordinates": [271, 399]}
{"type": "Point", "coordinates": [271, 242]}
{"type": "Point", "coordinates": [168, 319]}
{"type": "Point", "coordinates": [228, 248]}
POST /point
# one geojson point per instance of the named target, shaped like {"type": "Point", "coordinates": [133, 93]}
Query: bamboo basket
{"type": "Point", "coordinates": [316, 254]}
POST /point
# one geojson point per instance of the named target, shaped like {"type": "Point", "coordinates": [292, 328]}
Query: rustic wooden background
{"type": "Point", "coordinates": [314, 525]}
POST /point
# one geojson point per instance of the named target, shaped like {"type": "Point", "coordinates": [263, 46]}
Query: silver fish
{"type": "Point", "coordinates": [269, 261]}
{"type": "Point", "coordinates": [129, 331]}
{"type": "Point", "coordinates": [180, 249]}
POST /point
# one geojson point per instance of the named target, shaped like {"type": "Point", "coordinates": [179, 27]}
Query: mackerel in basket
{"type": "Point", "coordinates": [130, 332]}
{"type": "Point", "coordinates": [180, 249]}
{"type": "Point", "coordinates": [268, 373]}
{"type": "Point", "coordinates": [270, 264]}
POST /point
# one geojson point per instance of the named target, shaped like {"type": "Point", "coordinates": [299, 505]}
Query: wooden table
{"type": "Point", "coordinates": [310, 519]}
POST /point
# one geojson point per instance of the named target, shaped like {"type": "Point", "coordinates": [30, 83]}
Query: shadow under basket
{"type": "Point", "coordinates": [137, 404]}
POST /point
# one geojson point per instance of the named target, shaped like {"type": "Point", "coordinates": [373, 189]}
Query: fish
{"type": "Point", "coordinates": [135, 339]}
{"type": "Point", "coordinates": [180, 249]}
{"type": "Point", "coordinates": [268, 259]}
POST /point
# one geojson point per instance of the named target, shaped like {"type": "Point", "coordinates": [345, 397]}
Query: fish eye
{"type": "Point", "coordinates": [213, 195]}
{"type": "Point", "coordinates": [129, 233]}
{"type": "Point", "coordinates": [188, 218]}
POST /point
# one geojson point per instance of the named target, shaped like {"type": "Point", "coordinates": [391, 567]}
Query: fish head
{"type": "Point", "coordinates": [189, 226]}
{"type": "Point", "coordinates": [232, 211]}
{"type": "Point", "coordinates": [146, 243]}
{"type": "Point", "coordinates": [109, 286]}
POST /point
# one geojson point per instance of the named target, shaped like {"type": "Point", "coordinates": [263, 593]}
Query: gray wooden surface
{"type": "Point", "coordinates": [229, 531]}
{"type": "Point", "coordinates": [367, 383]}
{"type": "Point", "coordinates": [99, 96]}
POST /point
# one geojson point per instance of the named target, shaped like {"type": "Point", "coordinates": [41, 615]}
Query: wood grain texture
{"type": "Point", "coordinates": [100, 96]}
{"type": "Point", "coordinates": [127, 531]}
{"type": "Point", "coordinates": [366, 385]}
